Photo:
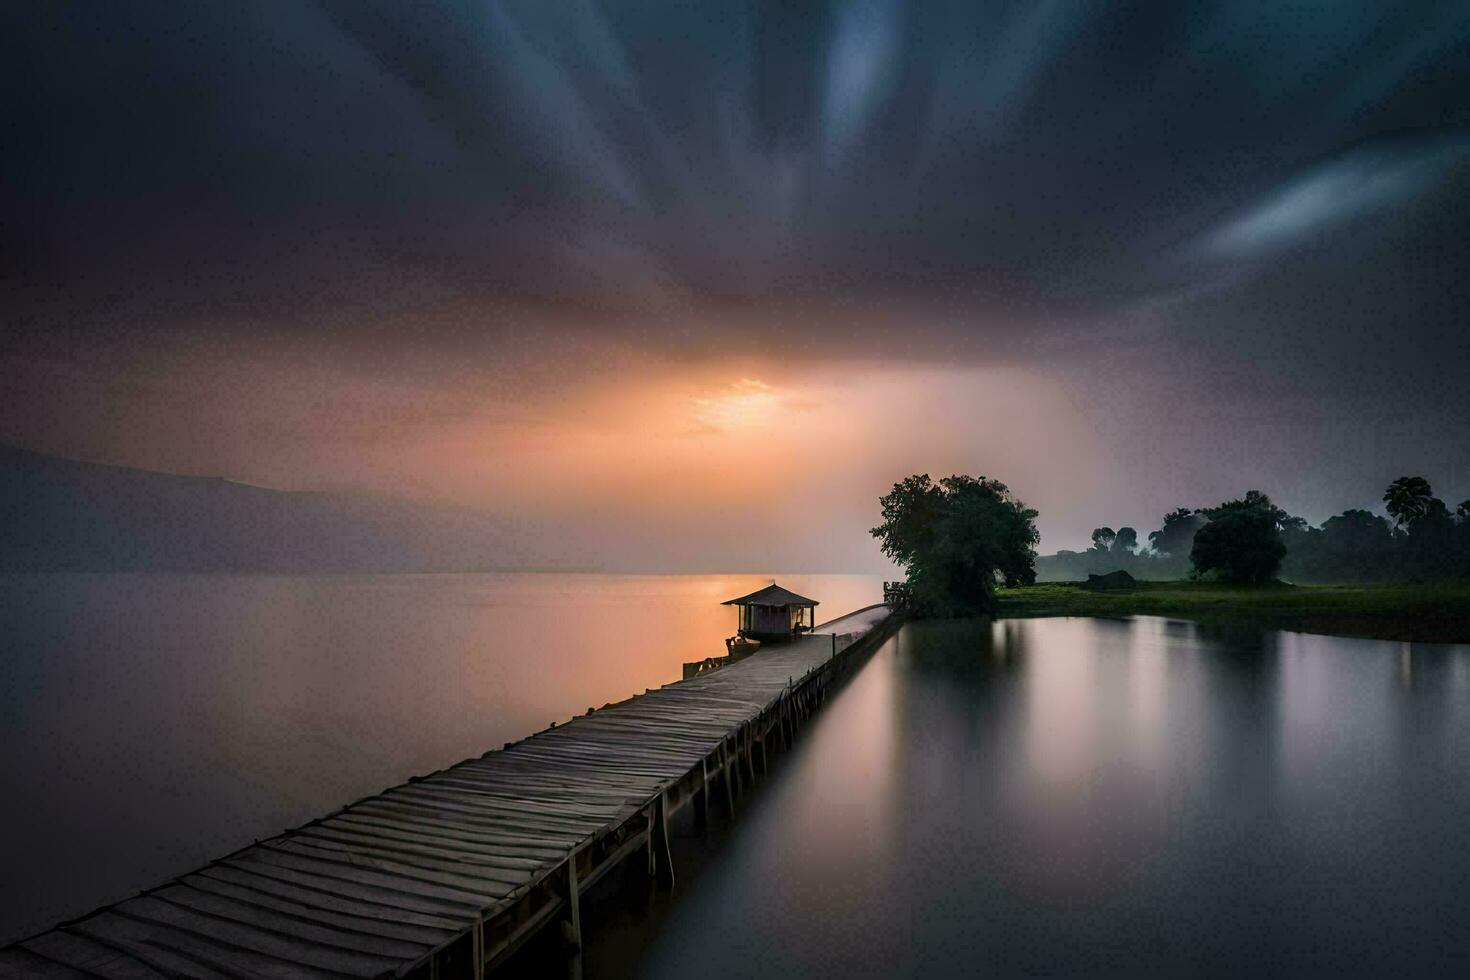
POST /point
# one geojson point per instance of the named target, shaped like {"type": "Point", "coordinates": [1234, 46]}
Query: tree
{"type": "Point", "coordinates": [1435, 515]}
{"type": "Point", "coordinates": [1242, 541]}
{"type": "Point", "coordinates": [1407, 498]}
{"type": "Point", "coordinates": [1354, 546]}
{"type": "Point", "coordinates": [1102, 538]}
{"type": "Point", "coordinates": [955, 539]}
{"type": "Point", "coordinates": [1176, 536]}
{"type": "Point", "coordinates": [1125, 542]}
{"type": "Point", "coordinates": [1255, 500]}
{"type": "Point", "coordinates": [1358, 530]}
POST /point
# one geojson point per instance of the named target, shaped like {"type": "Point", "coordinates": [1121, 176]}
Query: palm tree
{"type": "Point", "coordinates": [1407, 498]}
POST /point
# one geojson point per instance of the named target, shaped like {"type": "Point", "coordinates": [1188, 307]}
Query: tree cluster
{"type": "Point", "coordinates": [1423, 540]}
{"type": "Point", "coordinates": [1252, 540]}
{"type": "Point", "coordinates": [956, 539]}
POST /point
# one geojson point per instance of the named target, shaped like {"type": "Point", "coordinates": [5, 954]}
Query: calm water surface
{"type": "Point", "coordinates": [1088, 797]}
{"type": "Point", "coordinates": [149, 723]}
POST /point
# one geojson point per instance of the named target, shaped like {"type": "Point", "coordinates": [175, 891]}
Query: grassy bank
{"type": "Point", "coordinates": [1435, 613]}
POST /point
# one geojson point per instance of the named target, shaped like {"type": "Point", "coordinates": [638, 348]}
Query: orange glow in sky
{"type": "Point", "coordinates": [726, 463]}
{"type": "Point", "coordinates": [759, 457]}
{"type": "Point", "coordinates": [741, 404]}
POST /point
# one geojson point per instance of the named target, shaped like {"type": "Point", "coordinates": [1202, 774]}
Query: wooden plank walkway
{"type": "Point", "coordinates": [449, 873]}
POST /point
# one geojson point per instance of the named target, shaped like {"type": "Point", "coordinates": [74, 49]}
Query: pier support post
{"type": "Point", "coordinates": [650, 839]}
{"type": "Point", "coordinates": [663, 851]}
{"type": "Point", "coordinates": [729, 783]}
{"type": "Point", "coordinates": [747, 744]}
{"type": "Point", "coordinates": [701, 796]}
{"type": "Point", "coordinates": [571, 928]}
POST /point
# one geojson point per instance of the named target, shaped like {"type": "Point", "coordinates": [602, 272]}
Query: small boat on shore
{"type": "Point", "coordinates": [741, 646]}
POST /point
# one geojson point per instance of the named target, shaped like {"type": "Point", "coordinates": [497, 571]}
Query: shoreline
{"type": "Point", "coordinates": [1414, 613]}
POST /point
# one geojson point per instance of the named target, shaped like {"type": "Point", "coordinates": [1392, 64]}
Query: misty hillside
{"type": "Point", "coordinates": [62, 515]}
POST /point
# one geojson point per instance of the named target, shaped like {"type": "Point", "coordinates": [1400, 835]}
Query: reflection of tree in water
{"type": "Point", "coordinates": [1239, 644]}
{"type": "Point", "coordinates": [969, 649]}
{"type": "Point", "coordinates": [1429, 722]}
{"type": "Point", "coordinates": [1246, 676]}
{"type": "Point", "coordinates": [1426, 670]}
{"type": "Point", "coordinates": [1426, 678]}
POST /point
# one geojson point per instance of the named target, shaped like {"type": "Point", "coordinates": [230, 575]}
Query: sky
{"type": "Point", "coordinates": [702, 280]}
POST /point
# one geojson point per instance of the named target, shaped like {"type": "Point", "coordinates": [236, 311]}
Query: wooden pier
{"type": "Point", "coordinates": [448, 874]}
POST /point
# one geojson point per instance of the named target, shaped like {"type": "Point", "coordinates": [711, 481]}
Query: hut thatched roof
{"type": "Point", "coordinates": [771, 595]}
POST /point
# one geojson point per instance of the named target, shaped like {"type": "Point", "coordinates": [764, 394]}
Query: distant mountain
{"type": "Point", "coordinates": [63, 515]}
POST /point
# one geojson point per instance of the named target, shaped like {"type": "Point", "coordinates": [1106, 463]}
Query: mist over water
{"type": "Point", "coordinates": [151, 723]}
{"type": "Point", "coordinates": [1066, 797]}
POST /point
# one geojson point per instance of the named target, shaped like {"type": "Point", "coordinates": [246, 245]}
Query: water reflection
{"type": "Point", "coordinates": [149, 723]}
{"type": "Point", "coordinates": [1071, 796]}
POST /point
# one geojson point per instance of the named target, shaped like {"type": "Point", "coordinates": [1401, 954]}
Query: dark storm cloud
{"type": "Point", "coordinates": [1042, 159]}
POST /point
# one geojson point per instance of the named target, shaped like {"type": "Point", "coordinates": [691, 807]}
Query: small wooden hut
{"type": "Point", "coordinates": [773, 613]}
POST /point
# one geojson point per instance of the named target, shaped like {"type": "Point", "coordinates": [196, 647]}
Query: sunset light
{"type": "Point", "coordinates": [743, 404]}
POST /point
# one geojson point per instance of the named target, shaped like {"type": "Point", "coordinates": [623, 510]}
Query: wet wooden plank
{"type": "Point", "coordinates": [90, 956]}
{"type": "Point", "coordinates": [19, 963]}
{"type": "Point", "coordinates": [169, 962]}
{"type": "Point", "coordinates": [356, 940]}
{"type": "Point", "coordinates": [287, 955]}
{"type": "Point", "coordinates": [355, 921]}
{"type": "Point", "coordinates": [387, 893]}
{"type": "Point", "coordinates": [434, 820]}
{"type": "Point", "coordinates": [349, 835]}
{"type": "Point", "coordinates": [457, 873]}
{"type": "Point", "coordinates": [333, 901]}
{"type": "Point", "coordinates": [452, 889]}
{"type": "Point", "coordinates": [208, 958]}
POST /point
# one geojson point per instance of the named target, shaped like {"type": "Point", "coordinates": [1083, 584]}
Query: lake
{"type": "Point", "coordinates": [1066, 797]}
{"type": "Point", "coordinates": [151, 723]}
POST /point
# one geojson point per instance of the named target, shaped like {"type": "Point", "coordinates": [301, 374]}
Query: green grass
{"type": "Point", "coordinates": [1432, 613]}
